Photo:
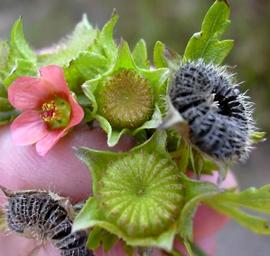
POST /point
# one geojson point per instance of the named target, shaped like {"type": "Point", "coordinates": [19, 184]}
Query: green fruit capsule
{"type": "Point", "coordinates": [126, 100]}
{"type": "Point", "coordinates": [141, 194]}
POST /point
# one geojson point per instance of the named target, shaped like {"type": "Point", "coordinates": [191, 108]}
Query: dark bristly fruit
{"type": "Point", "coordinates": [217, 114]}
{"type": "Point", "coordinates": [41, 215]}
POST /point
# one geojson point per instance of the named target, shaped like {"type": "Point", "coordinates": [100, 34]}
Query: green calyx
{"type": "Point", "coordinates": [126, 100]}
{"type": "Point", "coordinates": [129, 97]}
{"type": "Point", "coordinates": [137, 196]}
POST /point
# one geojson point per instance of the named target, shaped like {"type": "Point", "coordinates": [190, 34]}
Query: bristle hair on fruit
{"type": "Point", "coordinates": [41, 215]}
{"type": "Point", "coordinates": [218, 115]}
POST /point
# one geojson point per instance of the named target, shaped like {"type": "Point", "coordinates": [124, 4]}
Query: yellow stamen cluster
{"type": "Point", "coordinates": [48, 111]}
{"type": "Point", "coordinates": [56, 113]}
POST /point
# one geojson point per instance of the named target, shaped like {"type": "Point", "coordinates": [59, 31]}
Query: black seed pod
{"type": "Point", "coordinates": [73, 244]}
{"type": "Point", "coordinates": [217, 114]}
{"type": "Point", "coordinates": [42, 216]}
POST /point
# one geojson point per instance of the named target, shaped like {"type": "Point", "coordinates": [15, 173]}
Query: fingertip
{"type": "Point", "coordinates": [60, 170]}
{"type": "Point", "coordinates": [208, 245]}
{"type": "Point", "coordinates": [229, 182]}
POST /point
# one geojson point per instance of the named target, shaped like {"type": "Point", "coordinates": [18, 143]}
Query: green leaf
{"type": "Point", "coordinates": [254, 223]}
{"type": "Point", "coordinates": [257, 200]}
{"type": "Point", "coordinates": [19, 48]}
{"type": "Point", "coordinates": [98, 237]}
{"type": "Point", "coordinates": [197, 161]}
{"type": "Point", "coordinates": [70, 48]}
{"type": "Point", "coordinates": [206, 44]}
{"type": "Point", "coordinates": [209, 166]}
{"type": "Point", "coordinates": [196, 250]}
{"type": "Point", "coordinates": [105, 43]}
{"type": "Point", "coordinates": [22, 67]}
{"type": "Point", "coordinates": [87, 66]}
{"type": "Point", "coordinates": [108, 240]}
{"type": "Point", "coordinates": [252, 198]}
{"type": "Point", "coordinates": [154, 122]}
{"type": "Point", "coordinates": [4, 52]}
{"type": "Point", "coordinates": [199, 164]}
{"type": "Point", "coordinates": [184, 153]}
{"type": "Point", "coordinates": [195, 193]}
{"type": "Point", "coordinates": [94, 238]}
{"type": "Point", "coordinates": [157, 143]}
{"type": "Point", "coordinates": [21, 58]}
{"type": "Point", "coordinates": [140, 55]}
{"type": "Point", "coordinates": [188, 248]}
{"type": "Point", "coordinates": [113, 135]}
{"type": "Point", "coordinates": [129, 250]}
{"type": "Point", "coordinates": [173, 142]}
{"type": "Point", "coordinates": [7, 116]}
{"type": "Point", "coordinates": [88, 216]}
{"type": "Point", "coordinates": [159, 58]}
{"type": "Point", "coordinates": [5, 105]}
{"type": "Point", "coordinates": [157, 78]}
{"type": "Point", "coordinates": [3, 91]}
{"type": "Point", "coordinates": [89, 89]}
{"type": "Point", "coordinates": [257, 137]}
{"type": "Point", "coordinates": [97, 162]}
{"type": "Point", "coordinates": [95, 59]}
{"type": "Point", "coordinates": [194, 188]}
{"type": "Point", "coordinates": [175, 253]}
{"type": "Point", "coordinates": [124, 58]}
{"type": "Point", "coordinates": [7, 112]}
{"type": "Point", "coordinates": [165, 57]}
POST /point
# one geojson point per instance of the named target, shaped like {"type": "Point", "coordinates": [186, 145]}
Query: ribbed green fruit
{"type": "Point", "coordinates": [141, 194]}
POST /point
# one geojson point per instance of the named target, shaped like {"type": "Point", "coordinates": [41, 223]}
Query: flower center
{"type": "Point", "coordinates": [126, 100]}
{"type": "Point", "coordinates": [56, 113]}
{"type": "Point", "coordinates": [141, 194]}
{"type": "Point", "coordinates": [48, 111]}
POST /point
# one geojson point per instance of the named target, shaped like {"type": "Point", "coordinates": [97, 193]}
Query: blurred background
{"type": "Point", "coordinates": [173, 22]}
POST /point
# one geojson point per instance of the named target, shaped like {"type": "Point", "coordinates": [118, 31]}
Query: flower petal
{"type": "Point", "coordinates": [55, 76]}
{"type": "Point", "coordinates": [77, 112]}
{"type": "Point", "coordinates": [28, 128]}
{"type": "Point", "coordinates": [27, 93]}
{"type": "Point", "coordinates": [46, 143]}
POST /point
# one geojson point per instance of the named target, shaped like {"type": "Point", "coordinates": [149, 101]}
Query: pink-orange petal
{"type": "Point", "coordinates": [55, 76]}
{"type": "Point", "coordinates": [27, 93]}
{"type": "Point", "coordinates": [77, 112]}
{"type": "Point", "coordinates": [28, 128]}
{"type": "Point", "coordinates": [46, 143]}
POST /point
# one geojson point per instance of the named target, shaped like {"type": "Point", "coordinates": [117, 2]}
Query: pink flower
{"type": "Point", "coordinates": [48, 109]}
